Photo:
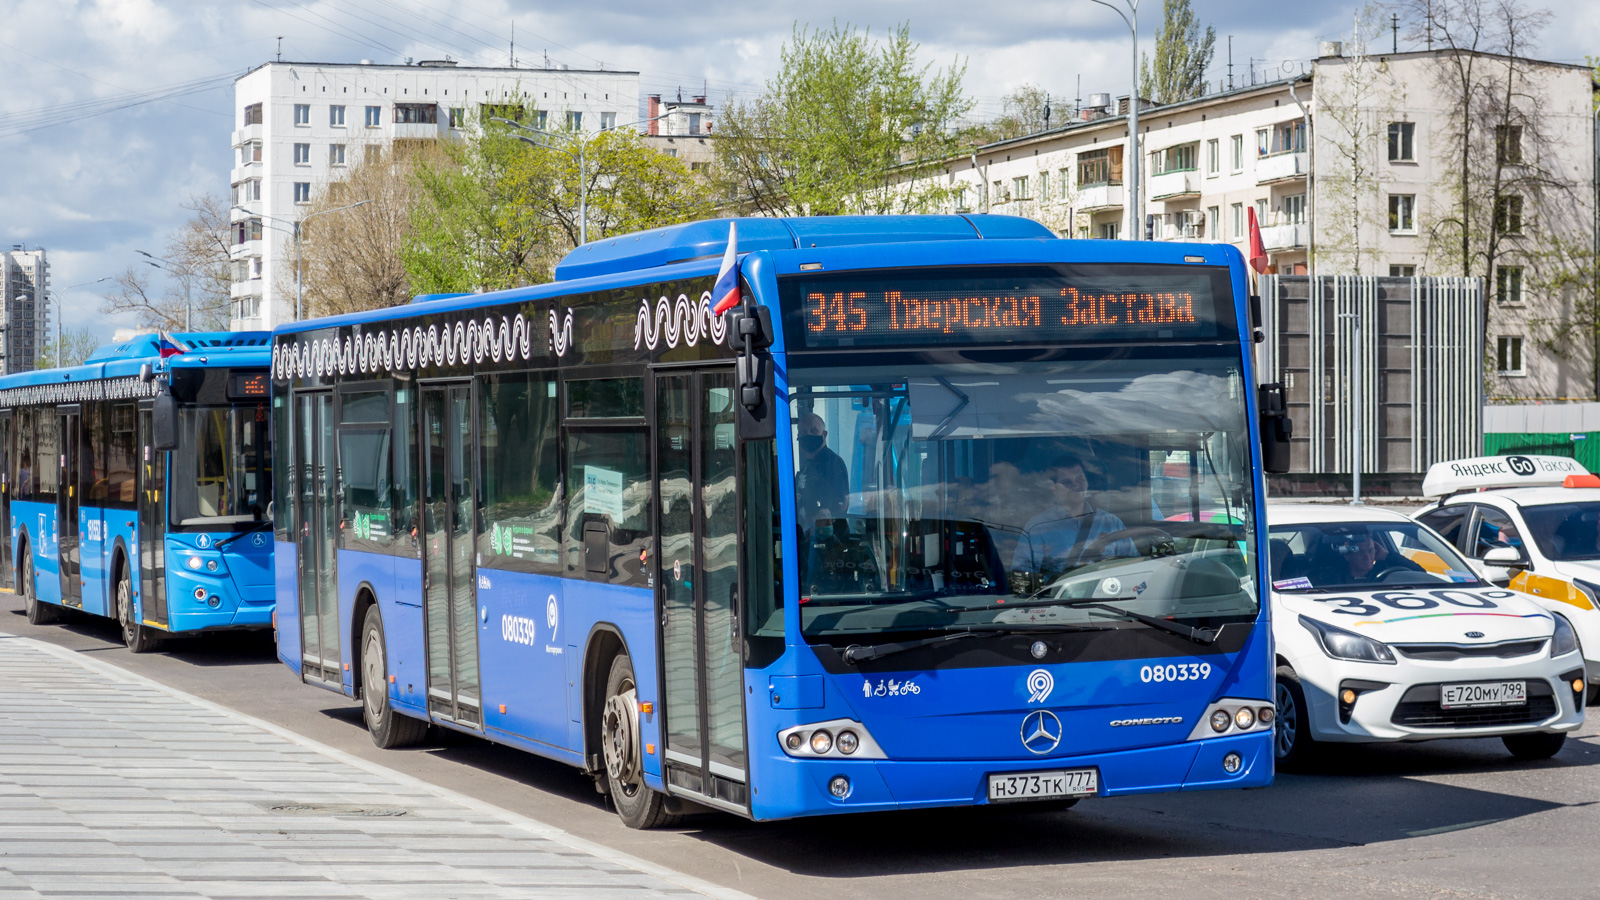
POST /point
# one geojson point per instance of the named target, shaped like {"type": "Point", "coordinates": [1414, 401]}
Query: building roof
{"type": "Point", "coordinates": [439, 68]}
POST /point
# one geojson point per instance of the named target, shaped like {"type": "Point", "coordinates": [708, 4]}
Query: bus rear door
{"type": "Point", "coordinates": [69, 420]}
{"type": "Point", "coordinates": [449, 528]}
{"type": "Point", "coordinates": [5, 495]}
{"type": "Point", "coordinates": [698, 579]}
{"type": "Point", "coordinates": [317, 514]}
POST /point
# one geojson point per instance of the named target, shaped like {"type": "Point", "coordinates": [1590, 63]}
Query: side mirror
{"type": "Point", "coordinates": [164, 422]}
{"type": "Point", "coordinates": [1276, 427]}
{"type": "Point", "coordinates": [1506, 557]}
{"type": "Point", "coordinates": [750, 333]}
{"type": "Point", "coordinates": [146, 374]}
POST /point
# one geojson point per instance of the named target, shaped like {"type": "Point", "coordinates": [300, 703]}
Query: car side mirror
{"type": "Point", "coordinates": [1506, 557]}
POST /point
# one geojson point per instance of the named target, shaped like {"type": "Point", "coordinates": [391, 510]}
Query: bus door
{"type": "Point", "coordinates": [5, 496]}
{"type": "Point", "coordinates": [449, 528]}
{"type": "Point", "coordinates": [317, 513]}
{"type": "Point", "coordinates": [152, 524]}
{"type": "Point", "coordinates": [69, 421]}
{"type": "Point", "coordinates": [698, 584]}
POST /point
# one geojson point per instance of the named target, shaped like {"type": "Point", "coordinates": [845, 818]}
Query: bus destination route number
{"type": "Point", "coordinates": [894, 316]}
{"type": "Point", "coordinates": [249, 387]}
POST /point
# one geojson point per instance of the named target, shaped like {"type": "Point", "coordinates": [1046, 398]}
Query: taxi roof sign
{"type": "Point", "coordinates": [1516, 470]}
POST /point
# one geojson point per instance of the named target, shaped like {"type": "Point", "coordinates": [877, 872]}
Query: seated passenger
{"type": "Point", "coordinates": [1063, 537]}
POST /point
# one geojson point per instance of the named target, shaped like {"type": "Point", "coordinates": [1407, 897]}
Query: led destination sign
{"type": "Point", "coordinates": [1044, 308]}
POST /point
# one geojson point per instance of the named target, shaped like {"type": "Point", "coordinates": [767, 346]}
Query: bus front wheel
{"type": "Point", "coordinates": [388, 728]}
{"type": "Point", "coordinates": [637, 804]}
{"type": "Point", "coordinates": [138, 637]}
{"type": "Point", "coordinates": [39, 613]}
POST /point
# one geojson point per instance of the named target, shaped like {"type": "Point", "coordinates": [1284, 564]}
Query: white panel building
{"type": "Point", "coordinates": [299, 126]}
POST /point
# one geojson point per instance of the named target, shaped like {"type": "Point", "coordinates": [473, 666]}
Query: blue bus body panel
{"type": "Point", "coordinates": [35, 522]}
{"type": "Point", "coordinates": [285, 559]}
{"type": "Point", "coordinates": [404, 637]}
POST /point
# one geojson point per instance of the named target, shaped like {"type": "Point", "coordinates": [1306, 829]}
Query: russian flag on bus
{"type": "Point", "coordinates": [169, 345]}
{"type": "Point", "coordinates": [726, 292]}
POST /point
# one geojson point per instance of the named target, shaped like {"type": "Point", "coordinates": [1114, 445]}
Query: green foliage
{"type": "Point", "coordinates": [76, 345]}
{"type": "Point", "coordinates": [1024, 111]}
{"type": "Point", "coordinates": [848, 125]}
{"type": "Point", "coordinates": [1182, 55]}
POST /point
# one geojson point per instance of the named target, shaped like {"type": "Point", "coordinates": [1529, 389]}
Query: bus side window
{"type": "Point", "coordinates": [608, 474]}
{"type": "Point", "coordinates": [407, 488]}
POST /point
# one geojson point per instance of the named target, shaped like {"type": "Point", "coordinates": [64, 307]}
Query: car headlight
{"type": "Point", "coordinates": [1565, 640]}
{"type": "Point", "coordinates": [1341, 644]}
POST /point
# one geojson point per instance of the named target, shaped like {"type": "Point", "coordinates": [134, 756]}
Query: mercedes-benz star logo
{"type": "Point", "coordinates": [1041, 731]}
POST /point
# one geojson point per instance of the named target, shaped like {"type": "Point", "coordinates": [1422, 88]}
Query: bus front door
{"type": "Point", "coordinates": [448, 527]}
{"type": "Point", "coordinates": [68, 420]}
{"type": "Point", "coordinates": [698, 578]}
{"type": "Point", "coordinates": [152, 524]}
{"type": "Point", "coordinates": [317, 514]}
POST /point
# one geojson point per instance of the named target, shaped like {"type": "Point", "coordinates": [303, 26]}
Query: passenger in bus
{"type": "Point", "coordinates": [1067, 534]}
{"type": "Point", "coordinates": [822, 483]}
{"type": "Point", "coordinates": [25, 476]}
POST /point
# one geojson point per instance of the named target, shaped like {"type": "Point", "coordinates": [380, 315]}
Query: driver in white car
{"type": "Point", "coordinates": [1353, 557]}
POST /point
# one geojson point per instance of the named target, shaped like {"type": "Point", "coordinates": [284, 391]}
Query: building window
{"type": "Point", "coordinates": [302, 154]}
{"type": "Point", "coordinates": [1403, 213]}
{"type": "Point", "coordinates": [1263, 141]}
{"type": "Point", "coordinates": [1508, 214]}
{"type": "Point", "coordinates": [1238, 221]}
{"type": "Point", "coordinates": [416, 114]}
{"type": "Point", "coordinates": [1044, 185]}
{"type": "Point", "coordinates": [252, 189]}
{"type": "Point", "coordinates": [250, 153]}
{"type": "Point", "coordinates": [302, 192]}
{"type": "Point", "coordinates": [1213, 222]}
{"type": "Point", "coordinates": [1100, 167]}
{"type": "Point", "coordinates": [574, 121]}
{"type": "Point", "coordinates": [1294, 209]}
{"type": "Point", "coordinates": [699, 166]}
{"type": "Point", "coordinates": [1019, 188]}
{"type": "Point", "coordinates": [1508, 284]}
{"type": "Point", "coordinates": [252, 114]}
{"type": "Point", "coordinates": [1508, 355]}
{"type": "Point", "coordinates": [1237, 151]}
{"type": "Point", "coordinates": [608, 121]}
{"type": "Point", "coordinates": [1508, 145]}
{"type": "Point", "coordinates": [1261, 212]}
{"type": "Point", "coordinates": [1108, 231]}
{"type": "Point", "coordinates": [1063, 185]}
{"type": "Point", "coordinates": [302, 114]}
{"type": "Point", "coordinates": [1213, 157]}
{"type": "Point", "coordinates": [246, 230]}
{"type": "Point", "coordinates": [374, 116]}
{"type": "Point", "coordinates": [1402, 271]}
{"type": "Point", "coordinates": [255, 268]}
{"type": "Point", "coordinates": [1401, 137]}
{"type": "Point", "coordinates": [336, 116]}
{"type": "Point", "coordinates": [335, 154]}
{"type": "Point", "coordinates": [374, 153]}
{"type": "Point", "coordinates": [1176, 159]}
{"type": "Point", "coordinates": [458, 117]}
{"type": "Point", "coordinates": [1289, 137]}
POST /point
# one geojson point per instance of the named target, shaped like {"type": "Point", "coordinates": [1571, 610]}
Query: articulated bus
{"type": "Point", "coordinates": [945, 511]}
{"type": "Point", "coordinates": [136, 486]}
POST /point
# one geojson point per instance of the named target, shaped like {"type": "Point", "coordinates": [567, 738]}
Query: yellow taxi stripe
{"type": "Point", "coordinates": [1546, 588]}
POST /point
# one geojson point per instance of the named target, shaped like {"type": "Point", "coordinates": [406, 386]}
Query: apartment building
{"type": "Point", "coordinates": [680, 129]}
{"type": "Point", "coordinates": [1353, 168]}
{"type": "Point", "coordinates": [302, 125]}
{"type": "Point", "coordinates": [25, 306]}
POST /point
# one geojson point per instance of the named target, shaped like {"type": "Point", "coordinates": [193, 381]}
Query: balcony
{"type": "Point", "coordinates": [1281, 167]}
{"type": "Point", "coordinates": [1284, 237]}
{"type": "Point", "coordinates": [248, 133]}
{"type": "Point", "coordinates": [1096, 197]}
{"type": "Point", "coordinates": [250, 288]}
{"type": "Point", "coordinates": [419, 130]}
{"type": "Point", "coordinates": [1180, 185]}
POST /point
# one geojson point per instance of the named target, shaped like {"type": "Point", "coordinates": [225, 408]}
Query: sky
{"type": "Point", "coordinates": [114, 112]}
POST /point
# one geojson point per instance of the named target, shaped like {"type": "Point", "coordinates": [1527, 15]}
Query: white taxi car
{"type": "Point", "coordinates": [1531, 523]}
{"type": "Point", "coordinates": [1384, 633]}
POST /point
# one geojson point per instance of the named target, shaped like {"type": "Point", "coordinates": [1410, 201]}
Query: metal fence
{"type": "Point", "coordinates": [1419, 343]}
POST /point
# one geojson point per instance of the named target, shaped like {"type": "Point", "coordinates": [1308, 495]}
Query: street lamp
{"type": "Point", "coordinates": [299, 260]}
{"type": "Point", "coordinates": [540, 137]}
{"type": "Point", "coordinates": [1131, 19]}
{"type": "Point", "coordinates": [184, 274]}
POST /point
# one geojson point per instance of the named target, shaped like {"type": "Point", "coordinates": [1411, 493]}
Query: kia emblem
{"type": "Point", "coordinates": [1474, 634]}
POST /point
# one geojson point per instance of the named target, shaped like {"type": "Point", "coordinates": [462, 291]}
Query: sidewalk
{"type": "Point", "coordinates": [112, 785]}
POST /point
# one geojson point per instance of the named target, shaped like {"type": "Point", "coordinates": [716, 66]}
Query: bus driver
{"type": "Point", "coordinates": [1060, 539]}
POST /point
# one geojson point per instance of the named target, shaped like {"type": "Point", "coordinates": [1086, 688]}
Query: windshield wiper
{"type": "Point", "coordinates": [1198, 635]}
{"type": "Point", "coordinates": [263, 524]}
{"type": "Point", "coordinates": [856, 653]}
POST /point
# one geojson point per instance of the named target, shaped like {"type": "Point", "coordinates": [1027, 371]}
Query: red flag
{"type": "Point", "coordinates": [1258, 251]}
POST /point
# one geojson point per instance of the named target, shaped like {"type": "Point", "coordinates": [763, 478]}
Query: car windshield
{"type": "Point", "coordinates": [221, 472]}
{"type": "Point", "coordinates": [1345, 556]}
{"type": "Point", "coordinates": [931, 496]}
{"type": "Point", "coordinates": [1563, 531]}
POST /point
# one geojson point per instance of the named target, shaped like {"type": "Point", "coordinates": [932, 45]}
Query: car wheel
{"type": "Point", "coordinates": [1535, 745]}
{"type": "Point", "coordinates": [1292, 743]}
{"type": "Point", "coordinates": [39, 612]}
{"type": "Point", "coordinates": [637, 804]}
{"type": "Point", "coordinates": [138, 637]}
{"type": "Point", "coordinates": [389, 729]}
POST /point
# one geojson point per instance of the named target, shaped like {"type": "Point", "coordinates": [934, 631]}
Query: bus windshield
{"type": "Point", "coordinates": [942, 496]}
{"type": "Point", "coordinates": [222, 469]}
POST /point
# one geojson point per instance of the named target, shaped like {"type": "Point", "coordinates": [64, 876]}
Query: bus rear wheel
{"type": "Point", "coordinates": [388, 728]}
{"type": "Point", "coordinates": [139, 638]}
{"type": "Point", "coordinates": [39, 612]}
{"type": "Point", "coordinates": [637, 804]}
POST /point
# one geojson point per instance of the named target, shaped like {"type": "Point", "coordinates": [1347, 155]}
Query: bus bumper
{"type": "Point", "coordinates": [203, 603]}
{"type": "Point", "coordinates": [800, 787]}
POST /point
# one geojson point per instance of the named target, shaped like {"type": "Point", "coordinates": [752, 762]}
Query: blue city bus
{"type": "Point", "coordinates": [136, 486]}
{"type": "Point", "coordinates": [945, 511]}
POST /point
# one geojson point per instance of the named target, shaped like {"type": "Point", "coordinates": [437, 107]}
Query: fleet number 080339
{"type": "Point", "coordinates": [1175, 672]}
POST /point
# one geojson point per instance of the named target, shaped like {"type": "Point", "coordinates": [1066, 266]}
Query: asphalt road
{"type": "Point", "coordinates": [1448, 818]}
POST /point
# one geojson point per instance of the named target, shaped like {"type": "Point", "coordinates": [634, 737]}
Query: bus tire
{"type": "Point", "coordinates": [637, 804]}
{"type": "Point", "coordinates": [388, 728]}
{"type": "Point", "coordinates": [139, 638]}
{"type": "Point", "coordinates": [1292, 743]}
{"type": "Point", "coordinates": [39, 612]}
{"type": "Point", "coordinates": [1535, 745]}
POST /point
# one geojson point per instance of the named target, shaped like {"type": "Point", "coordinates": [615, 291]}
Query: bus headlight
{"type": "Point", "coordinates": [847, 742]}
{"type": "Point", "coordinates": [834, 739]}
{"type": "Point", "coordinates": [194, 562]}
{"type": "Point", "coordinates": [1220, 720]}
{"type": "Point", "coordinates": [1245, 718]}
{"type": "Point", "coordinates": [1564, 640]}
{"type": "Point", "coordinates": [821, 743]}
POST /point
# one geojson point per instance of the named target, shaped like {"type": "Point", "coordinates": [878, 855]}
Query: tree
{"type": "Point", "coordinates": [1024, 111]}
{"type": "Point", "coordinates": [848, 125]}
{"type": "Point", "coordinates": [1182, 56]}
{"type": "Point", "coordinates": [76, 345]}
{"type": "Point", "coordinates": [197, 257]}
{"type": "Point", "coordinates": [353, 258]}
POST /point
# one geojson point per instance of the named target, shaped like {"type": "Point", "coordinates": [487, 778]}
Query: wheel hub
{"type": "Point", "coordinates": [1288, 721]}
{"type": "Point", "coordinates": [619, 737]}
{"type": "Point", "coordinates": [373, 684]}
